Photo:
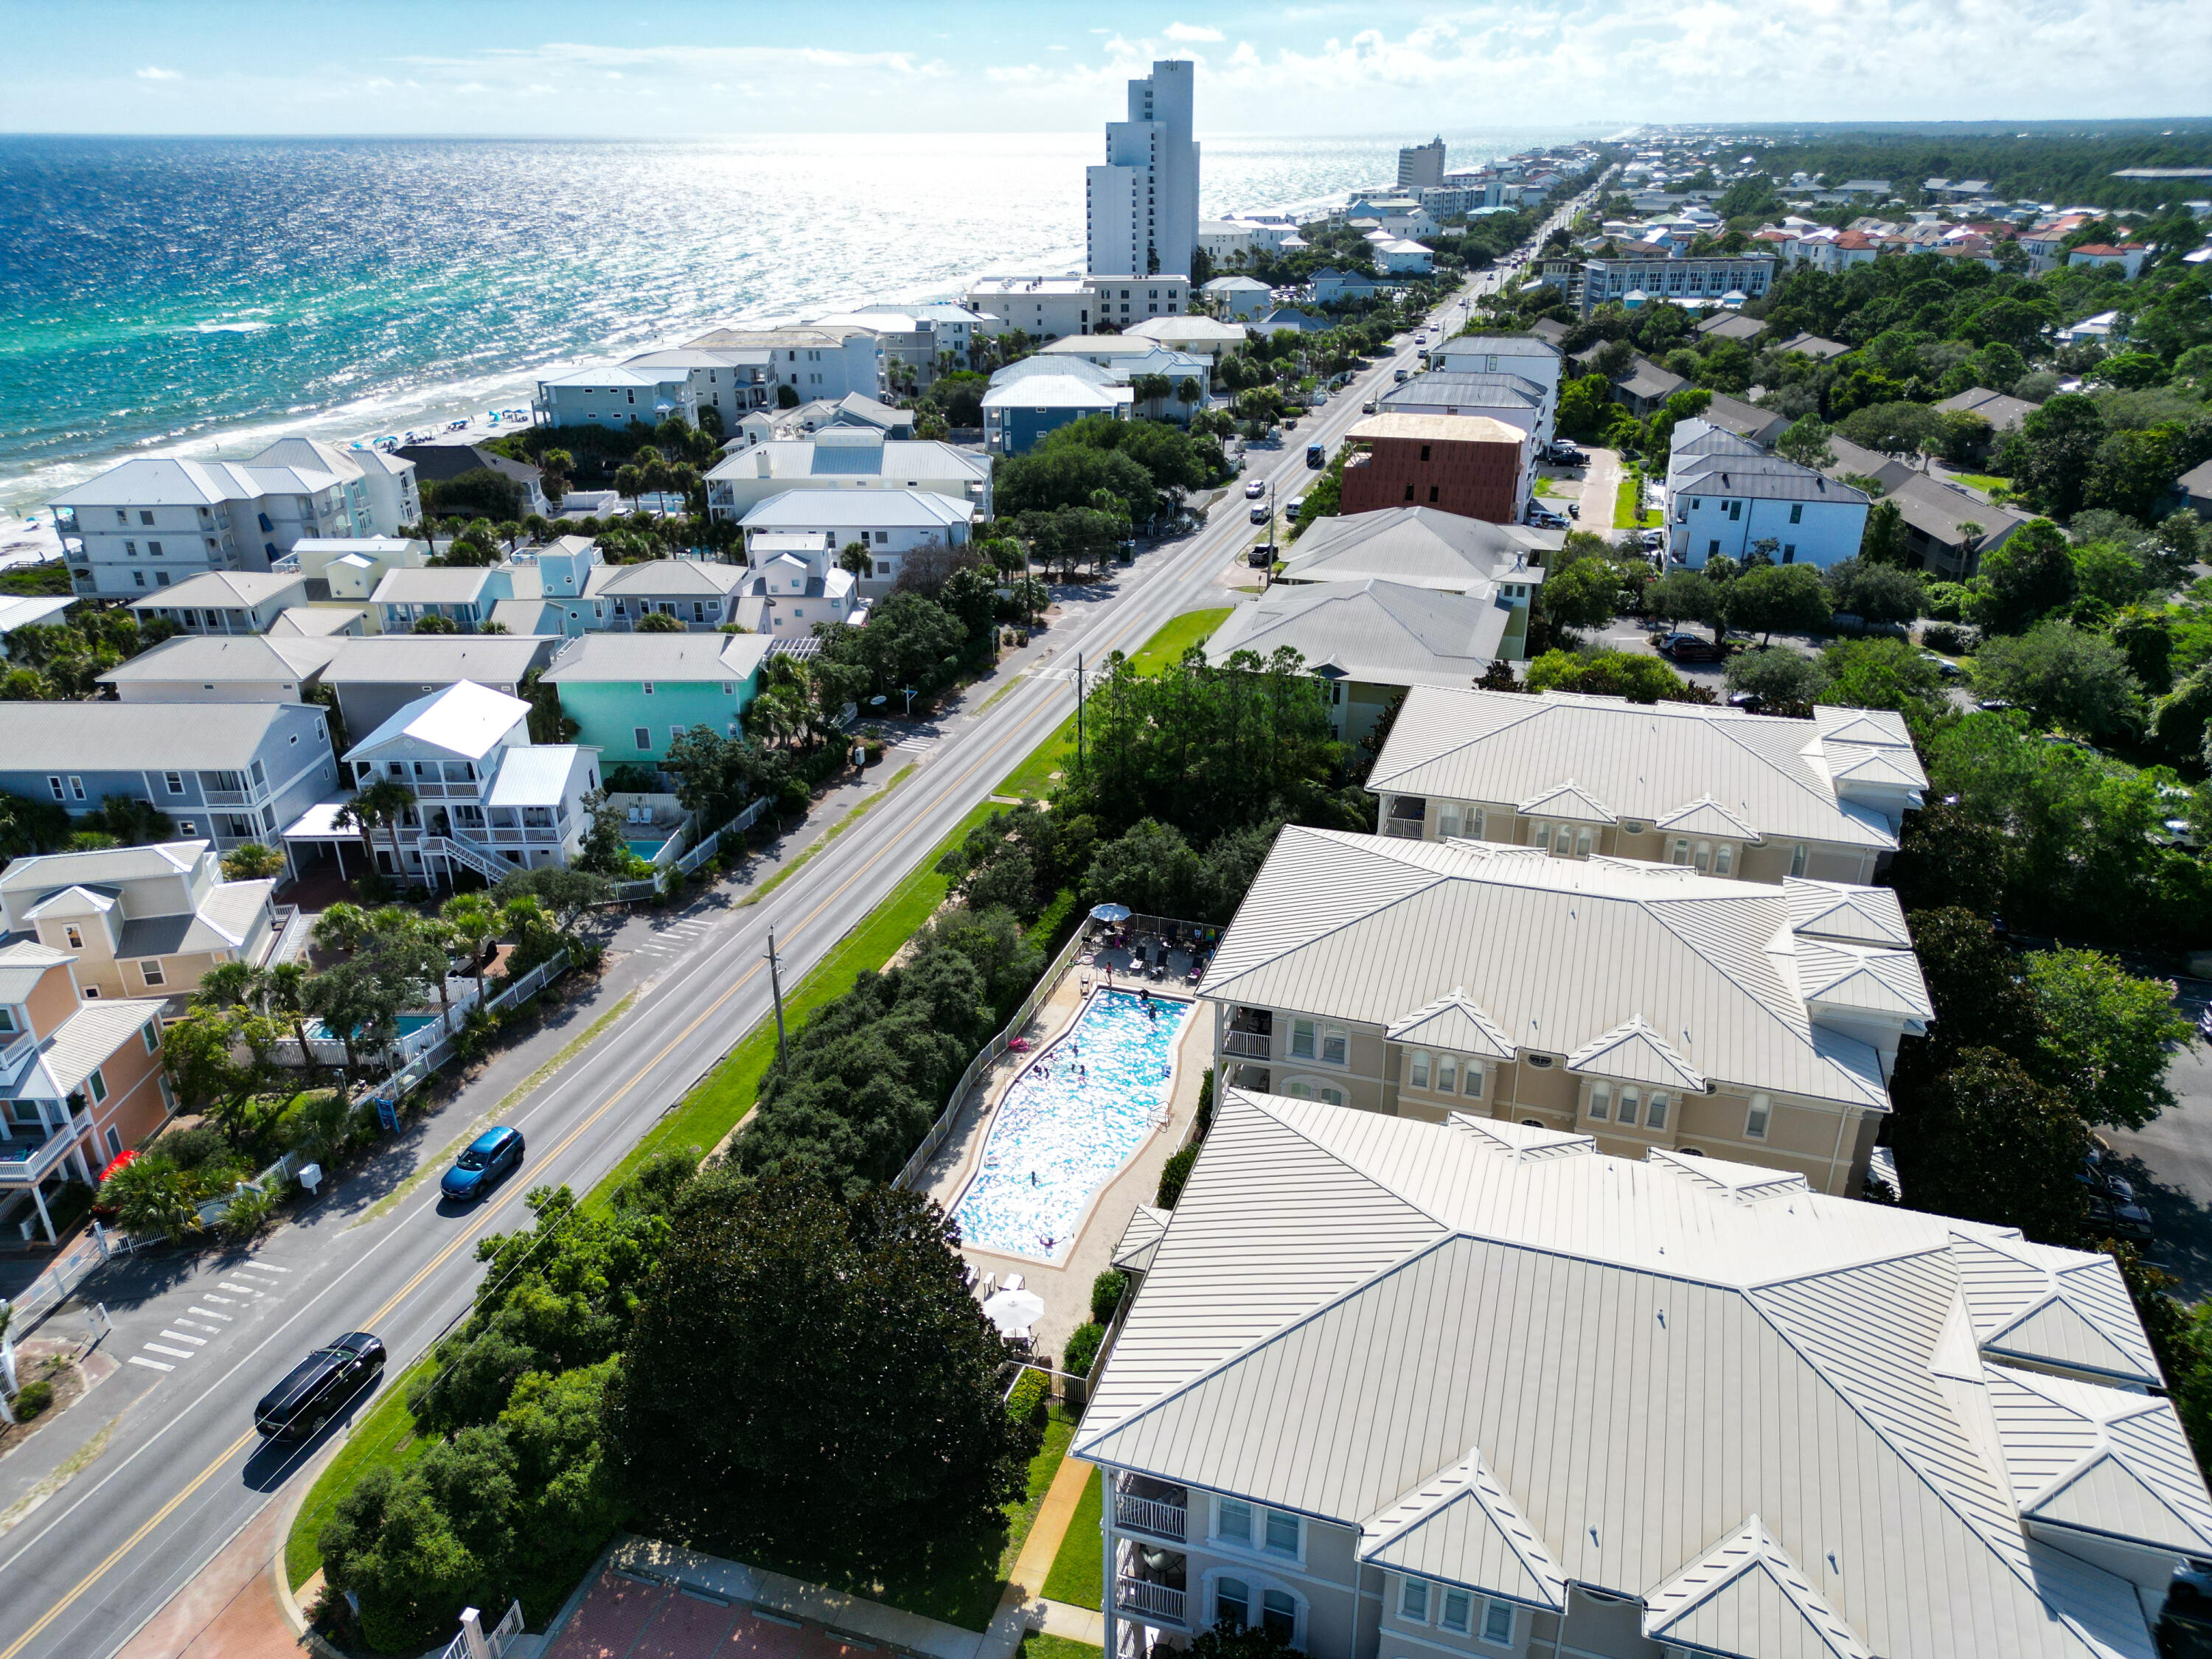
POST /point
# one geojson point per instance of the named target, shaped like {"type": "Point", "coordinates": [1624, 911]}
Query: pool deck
{"type": "Point", "coordinates": [1065, 1289]}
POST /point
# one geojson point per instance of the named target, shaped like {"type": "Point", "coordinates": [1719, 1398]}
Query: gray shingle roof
{"type": "Point", "coordinates": [436, 658]}
{"type": "Point", "coordinates": [1771, 1416]}
{"type": "Point", "coordinates": [144, 737]}
{"type": "Point", "coordinates": [216, 657]}
{"type": "Point", "coordinates": [1420, 547]}
{"type": "Point", "coordinates": [1375, 632]}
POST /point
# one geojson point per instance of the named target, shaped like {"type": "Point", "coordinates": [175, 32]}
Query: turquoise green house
{"type": "Point", "coordinates": [632, 695]}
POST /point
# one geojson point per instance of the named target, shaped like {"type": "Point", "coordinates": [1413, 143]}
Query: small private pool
{"type": "Point", "coordinates": [647, 849]}
{"type": "Point", "coordinates": [408, 1024]}
{"type": "Point", "coordinates": [1068, 1123]}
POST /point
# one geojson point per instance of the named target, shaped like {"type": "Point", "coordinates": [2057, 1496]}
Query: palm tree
{"type": "Point", "coordinates": [473, 924]}
{"type": "Point", "coordinates": [252, 861]}
{"type": "Point", "coordinates": [230, 985]}
{"type": "Point", "coordinates": [285, 991]}
{"type": "Point", "coordinates": [854, 558]}
{"type": "Point", "coordinates": [411, 945]}
{"type": "Point", "coordinates": [380, 805]}
{"type": "Point", "coordinates": [341, 927]}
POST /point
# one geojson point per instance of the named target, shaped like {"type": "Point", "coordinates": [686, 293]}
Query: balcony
{"type": "Point", "coordinates": [25, 1157]}
{"type": "Point", "coordinates": [1155, 1603]}
{"type": "Point", "coordinates": [1160, 1518]}
{"type": "Point", "coordinates": [1248, 1045]}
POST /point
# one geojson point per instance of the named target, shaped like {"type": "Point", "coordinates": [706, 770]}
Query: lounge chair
{"type": "Point", "coordinates": [989, 1285]}
{"type": "Point", "coordinates": [1012, 1282]}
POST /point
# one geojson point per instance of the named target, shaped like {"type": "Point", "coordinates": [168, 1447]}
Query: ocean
{"type": "Point", "coordinates": [205, 296]}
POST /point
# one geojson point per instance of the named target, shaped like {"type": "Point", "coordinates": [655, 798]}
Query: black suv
{"type": "Point", "coordinates": [318, 1385]}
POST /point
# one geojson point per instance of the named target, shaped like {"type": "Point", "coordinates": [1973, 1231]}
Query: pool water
{"type": "Point", "coordinates": [408, 1024]}
{"type": "Point", "coordinates": [1067, 1125]}
{"type": "Point", "coordinates": [645, 849]}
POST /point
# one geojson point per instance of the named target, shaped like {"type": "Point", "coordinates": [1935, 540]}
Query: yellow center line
{"type": "Point", "coordinates": [127, 1545]}
{"type": "Point", "coordinates": [445, 1254]}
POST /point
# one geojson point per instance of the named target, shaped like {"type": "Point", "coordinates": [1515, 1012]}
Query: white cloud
{"type": "Point", "coordinates": [1191, 33]}
{"type": "Point", "coordinates": [149, 73]}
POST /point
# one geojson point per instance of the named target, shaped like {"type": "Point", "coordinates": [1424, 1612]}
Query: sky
{"type": "Point", "coordinates": [644, 68]}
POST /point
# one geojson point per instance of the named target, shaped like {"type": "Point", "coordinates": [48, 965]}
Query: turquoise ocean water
{"type": "Point", "coordinates": [206, 295]}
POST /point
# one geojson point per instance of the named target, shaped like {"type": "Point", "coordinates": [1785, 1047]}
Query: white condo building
{"type": "Point", "coordinates": [153, 521]}
{"type": "Point", "coordinates": [1142, 205]}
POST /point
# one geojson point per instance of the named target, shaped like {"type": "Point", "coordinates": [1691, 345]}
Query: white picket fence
{"type": "Point", "coordinates": [989, 1055]}
{"type": "Point", "coordinates": [669, 870]}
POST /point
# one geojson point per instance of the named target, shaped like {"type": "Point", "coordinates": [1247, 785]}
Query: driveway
{"type": "Point", "coordinates": [1600, 487]}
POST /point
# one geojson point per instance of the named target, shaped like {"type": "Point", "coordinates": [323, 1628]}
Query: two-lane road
{"type": "Point", "coordinates": [184, 1471]}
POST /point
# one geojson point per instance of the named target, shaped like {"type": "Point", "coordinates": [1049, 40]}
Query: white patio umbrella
{"type": "Point", "coordinates": [1014, 1311]}
{"type": "Point", "coordinates": [1109, 912]}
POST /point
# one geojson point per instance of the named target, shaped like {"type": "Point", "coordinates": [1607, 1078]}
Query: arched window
{"type": "Point", "coordinates": [1723, 859]}
{"type": "Point", "coordinates": [1475, 819]}
{"type": "Point", "coordinates": [1626, 1115]}
{"type": "Point", "coordinates": [1582, 843]}
{"type": "Point", "coordinates": [1447, 1074]}
{"type": "Point", "coordinates": [1471, 1082]}
{"type": "Point", "coordinates": [1703, 857]}
{"type": "Point", "coordinates": [1655, 1110]}
{"type": "Point", "coordinates": [1232, 1600]}
{"type": "Point", "coordinates": [1416, 1073]}
{"type": "Point", "coordinates": [1600, 1103]}
{"type": "Point", "coordinates": [1448, 820]}
{"type": "Point", "coordinates": [1680, 853]}
{"type": "Point", "coordinates": [1540, 835]}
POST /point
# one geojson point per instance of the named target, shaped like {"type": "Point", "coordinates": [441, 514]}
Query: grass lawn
{"type": "Point", "coordinates": [1034, 778]}
{"type": "Point", "coordinates": [1983, 481]}
{"type": "Point", "coordinates": [385, 1436]}
{"type": "Point", "coordinates": [1038, 1645]}
{"type": "Point", "coordinates": [1078, 1575]}
{"type": "Point", "coordinates": [1626, 514]}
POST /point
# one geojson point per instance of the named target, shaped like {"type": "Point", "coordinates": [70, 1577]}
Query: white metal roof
{"type": "Point", "coordinates": [1375, 632]}
{"type": "Point", "coordinates": [1508, 1362]}
{"type": "Point", "coordinates": [144, 737]}
{"type": "Point", "coordinates": [1704, 769]}
{"type": "Point", "coordinates": [223, 589]}
{"type": "Point", "coordinates": [463, 719]}
{"type": "Point", "coordinates": [813, 509]}
{"type": "Point", "coordinates": [218, 657]}
{"type": "Point", "coordinates": [533, 775]}
{"type": "Point", "coordinates": [1420, 547]}
{"type": "Point", "coordinates": [434, 658]}
{"type": "Point", "coordinates": [1558, 953]}
{"type": "Point", "coordinates": [661, 658]}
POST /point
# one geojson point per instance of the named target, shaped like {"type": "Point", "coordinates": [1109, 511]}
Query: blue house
{"type": "Point", "coordinates": [1018, 411]}
{"type": "Point", "coordinates": [632, 695]}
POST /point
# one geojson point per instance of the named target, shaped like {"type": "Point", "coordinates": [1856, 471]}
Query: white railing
{"type": "Point", "coordinates": [989, 1056]}
{"type": "Point", "coordinates": [1248, 1045]}
{"type": "Point", "coordinates": [708, 845]}
{"type": "Point", "coordinates": [482, 860]}
{"type": "Point", "coordinates": [1161, 1520]}
{"type": "Point", "coordinates": [55, 1285]}
{"type": "Point", "coordinates": [1149, 1601]}
{"type": "Point", "coordinates": [474, 1641]}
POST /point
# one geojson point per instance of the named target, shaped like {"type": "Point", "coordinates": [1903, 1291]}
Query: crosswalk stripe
{"type": "Point", "coordinates": [174, 1353]}
{"type": "Point", "coordinates": [243, 1289]}
{"type": "Point", "coordinates": [151, 1364]}
{"type": "Point", "coordinates": [268, 1267]}
{"type": "Point", "coordinates": [209, 1313]}
{"type": "Point", "coordinates": [227, 1302]}
{"type": "Point", "coordinates": [212, 1330]}
{"type": "Point", "coordinates": [178, 1336]}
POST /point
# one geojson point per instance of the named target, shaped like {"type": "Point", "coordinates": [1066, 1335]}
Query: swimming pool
{"type": "Point", "coordinates": [408, 1024]}
{"type": "Point", "coordinates": [1075, 1114]}
{"type": "Point", "coordinates": [647, 849]}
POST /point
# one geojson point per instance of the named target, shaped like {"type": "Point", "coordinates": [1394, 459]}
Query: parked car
{"type": "Point", "coordinates": [1690, 647]}
{"type": "Point", "coordinates": [1944, 667]}
{"type": "Point", "coordinates": [1367, 408]}
{"type": "Point", "coordinates": [2116, 1220]}
{"type": "Point", "coordinates": [1750, 702]}
{"type": "Point", "coordinates": [1655, 538]}
{"type": "Point", "coordinates": [483, 1164]}
{"type": "Point", "coordinates": [1543, 519]}
{"type": "Point", "coordinates": [1253, 488]}
{"type": "Point", "coordinates": [312, 1392]}
{"type": "Point", "coordinates": [1261, 555]}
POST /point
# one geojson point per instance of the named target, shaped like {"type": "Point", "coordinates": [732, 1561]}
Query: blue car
{"type": "Point", "coordinates": [487, 1160]}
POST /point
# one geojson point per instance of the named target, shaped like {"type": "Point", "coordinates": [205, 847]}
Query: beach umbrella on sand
{"type": "Point", "coordinates": [1014, 1311]}
{"type": "Point", "coordinates": [1109, 912]}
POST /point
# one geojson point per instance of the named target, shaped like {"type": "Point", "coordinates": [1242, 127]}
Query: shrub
{"type": "Point", "coordinates": [248, 1212]}
{"type": "Point", "coordinates": [196, 1147]}
{"type": "Point", "coordinates": [1026, 1404]}
{"type": "Point", "coordinates": [1106, 1296]}
{"type": "Point", "coordinates": [1083, 1350]}
{"type": "Point", "coordinates": [35, 1398]}
{"type": "Point", "coordinates": [1948, 638]}
{"type": "Point", "coordinates": [1206, 1104]}
{"type": "Point", "coordinates": [1173, 1173]}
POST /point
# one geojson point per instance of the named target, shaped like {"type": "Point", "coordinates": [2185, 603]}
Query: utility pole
{"type": "Point", "coordinates": [775, 989]}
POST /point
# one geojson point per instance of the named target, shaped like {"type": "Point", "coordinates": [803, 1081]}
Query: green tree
{"type": "Point", "coordinates": [1806, 442]}
{"type": "Point", "coordinates": [1891, 428]}
{"type": "Point", "coordinates": [1151, 869]}
{"type": "Point", "coordinates": [2063, 676]}
{"type": "Point", "coordinates": [1584, 403]}
{"type": "Point", "coordinates": [1985, 1141]}
{"type": "Point", "coordinates": [1777, 675]}
{"type": "Point", "coordinates": [252, 861]}
{"type": "Point", "coordinates": [749, 1404]}
{"type": "Point", "coordinates": [1771, 598]}
{"type": "Point", "coordinates": [379, 805]}
{"type": "Point", "coordinates": [2050, 456]}
{"type": "Point", "coordinates": [1883, 542]}
{"type": "Point", "coordinates": [1613, 674]}
{"type": "Point", "coordinates": [1683, 596]}
{"type": "Point", "coordinates": [2108, 1034]}
{"type": "Point", "coordinates": [605, 847]}
{"type": "Point", "coordinates": [658, 622]}
{"type": "Point", "coordinates": [151, 1195]}
{"type": "Point", "coordinates": [2027, 577]}
{"type": "Point", "coordinates": [1876, 594]}
{"type": "Point", "coordinates": [1585, 594]}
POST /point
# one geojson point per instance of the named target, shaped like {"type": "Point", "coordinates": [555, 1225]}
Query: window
{"type": "Point", "coordinates": [1703, 857]}
{"type": "Point", "coordinates": [1333, 1045]}
{"type": "Point", "coordinates": [1797, 857]}
{"type": "Point", "coordinates": [1600, 1103]}
{"type": "Point", "coordinates": [1409, 492]}
{"type": "Point", "coordinates": [1232, 1520]}
{"type": "Point", "coordinates": [1790, 553]}
{"type": "Point", "coordinates": [1582, 843]}
{"type": "Point", "coordinates": [73, 934]}
{"type": "Point", "coordinates": [76, 788]}
{"type": "Point", "coordinates": [1713, 548]}
{"type": "Point", "coordinates": [1471, 1083]}
{"type": "Point", "coordinates": [1498, 1623]}
{"type": "Point", "coordinates": [1448, 824]}
{"type": "Point", "coordinates": [1655, 1110]}
{"type": "Point", "coordinates": [114, 1141]}
{"type": "Point", "coordinates": [1279, 1614]}
{"type": "Point", "coordinates": [174, 781]}
{"type": "Point", "coordinates": [675, 734]}
{"type": "Point", "coordinates": [1417, 1073]}
{"type": "Point", "coordinates": [1303, 1039]}
{"type": "Point", "coordinates": [54, 783]}
{"type": "Point", "coordinates": [1232, 1600]}
{"type": "Point", "coordinates": [92, 993]}
{"type": "Point", "coordinates": [98, 1086]}
{"type": "Point", "coordinates": [1331, 1096]}
{"type": "Point", "coordinates": [1447, 1074]}
{"type": "Point", "coordinates": [1433, 495]}
{"type": "Point", "coordinates": [1453, 1612]}
{"type": "Point", "coordinates": [1797, 512]}
{"type": "Point", "coordinates": [1625, 1115]}
{"type": "Point", "coordinates": [144, 517]}
{"type": "Point", "coordinates": [150, 971]}
{"type": "Point", "coordinates": [1723, 859]}
{"type": "Point", "coordinates": [150, 1035]}
{"type": "Point", "coordinates": [1413, 1600]}
{"type": "Point", "coordinates": [1755, 1119]}
{"type": "Point", "coordinates": [1540, 835]}
{"type": "Point", "coordinates": [644, 737]}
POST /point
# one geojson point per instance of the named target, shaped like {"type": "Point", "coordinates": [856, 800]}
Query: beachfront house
{"type": "Point", "coordinates": [139, 921]}
{"type": "Point", "coordinates": [1712, 789]}
{"type": "Point", "coordinates": [231, 780]}
{"type": "Point", "coordinates": [1046, 308]}
{"type": "Point", "coordinates": [1370, 640]}
{"type": "Point", "coordinates": [1737, 1019]}
{"type": "Point", "coordinates": [150, 522]}
{"type": "Point", "coordinates": [487, 799]}
{"type": "Point", "coordinates": [845, 457]}
{"type": "Point", "coordinates": [80, 1081]}
{"type": "Point", "coordinates": [633, 695]}
{"type": "Point", "coordinates": [225, 602]}
{"type": "Point", "coordinates": [1239, 297]}
{"type": "Point", "coordinates": [1392, 1389]}
{"type": "Point", "coordinates": [890, 523]}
